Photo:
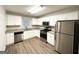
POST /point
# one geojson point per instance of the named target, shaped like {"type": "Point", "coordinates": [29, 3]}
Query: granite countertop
{"type": "Point", "coordinates": [14, 30]}
{"type": "Point", "coordinates": [18, 30]}
{"type": "Point", "coordinates": [33, 28]}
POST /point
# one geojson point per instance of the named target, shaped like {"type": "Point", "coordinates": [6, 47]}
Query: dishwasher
{"type": "Point", "coordinates": [18, 37]}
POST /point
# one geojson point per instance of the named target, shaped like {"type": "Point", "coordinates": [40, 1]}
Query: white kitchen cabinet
{"type": "Point", "coordinates": [14, 20]}
{"type": "Point", "coordinates": [10, 38]}
{"type": "Point", "coordinates": [36, 33]}
{"type": "Point", "coordinates": [31, 33]}
{"type": "Point", "coordinates": [50, 38]}
{"type": "Point", "coordinates": [27, 34]}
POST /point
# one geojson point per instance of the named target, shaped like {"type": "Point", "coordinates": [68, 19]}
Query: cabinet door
{"type": "Point", "coordinates": [50, 39]}
{"type": "Point", "coordinates": [32, 33]}
{"type": "Point", "coordinates": [14, 20]}
{"type": "Point", "coordinates": [27, 35]}
{"type": "Point", "coordinates": [10, 38]}
{"type": "Point", "coordinates": [65, 44]}
{"type": "Point", "coordinates": [37, 33]}
{"type": "Point", "coordinates": [67, 27]}
{"type": "Point", "coordinates": [10, 20]}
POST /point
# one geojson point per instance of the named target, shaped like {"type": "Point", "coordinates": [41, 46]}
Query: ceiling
{"type": "Point", "coordinates": [22, 9]}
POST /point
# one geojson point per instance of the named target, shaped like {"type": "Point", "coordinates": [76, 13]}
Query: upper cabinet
{"type": "Point", "coordinates": [14, 20]}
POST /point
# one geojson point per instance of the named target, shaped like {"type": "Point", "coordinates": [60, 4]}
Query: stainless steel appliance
{"type": "Point", "coordinates": [43, 33]}
{"type": "Point", "coordinates": [18, 37]}
{"type": "Point", "coordinates": [67, 36]}
{"type": "Point", "coordinates": [46, 23]}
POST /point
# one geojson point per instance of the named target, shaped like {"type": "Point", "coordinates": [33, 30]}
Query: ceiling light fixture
{"type": "Point", "coordinates": [36, 9]}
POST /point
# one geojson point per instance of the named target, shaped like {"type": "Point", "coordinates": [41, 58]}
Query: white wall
{"type": "Point", "coordinates": [2, 29]}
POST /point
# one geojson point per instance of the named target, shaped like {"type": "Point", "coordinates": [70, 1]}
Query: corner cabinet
{"type": "Point", "coordinates": [50, 38]}
{"type": "Point", "coordinates": [9, 38]}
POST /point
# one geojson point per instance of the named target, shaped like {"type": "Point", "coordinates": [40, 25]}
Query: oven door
{"type": "Point", "coordinates": [43, 35]}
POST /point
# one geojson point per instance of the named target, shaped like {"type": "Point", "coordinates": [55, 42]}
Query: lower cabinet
{"type": "Point", "coordinates": [37, 33]}
{"type": "Point", "coordinates": [9, 38]}
{"type": "Point", "coordinates": [50, 38]}
{"type": "Point", "coordinates": [31, 33]}
{"type": "Point", "coordinates": [26, 35]}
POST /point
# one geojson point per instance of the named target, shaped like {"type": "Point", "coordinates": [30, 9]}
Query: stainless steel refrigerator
{"type": "Point", "coordinates": [67, 36]}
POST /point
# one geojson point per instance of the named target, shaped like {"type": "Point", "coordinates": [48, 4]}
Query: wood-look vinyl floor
{"type": "Point", "coordinates": [31, 46]}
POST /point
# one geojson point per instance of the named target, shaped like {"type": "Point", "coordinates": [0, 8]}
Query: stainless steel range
{"type": "Point", "coordinates": [43, 34]}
